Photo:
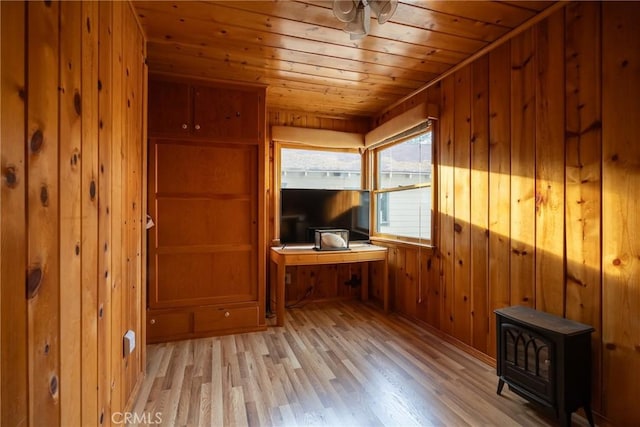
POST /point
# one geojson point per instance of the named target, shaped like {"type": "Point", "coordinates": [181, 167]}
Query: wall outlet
{"type": "Point", "coordinates": [287, 278]}
{"type": "Point", "coordinates": [128, 343]}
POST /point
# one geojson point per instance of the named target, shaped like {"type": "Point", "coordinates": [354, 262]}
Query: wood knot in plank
{"type": "Point", "coordinates": [523, 64]}
{"type": "Point", "coordinates": [44, 195]}
{"type": "Point", "coordinates": [610, 346]}
{"type": "Point", "coordinates": [53, 386]}
{"type": "Point", "coordinates": [92, 190]}
{"type": "Point", "coordinates": [34, 280]}
{"type": "Point", "coordinates": [10, 177]}
{"type": "Point", "coordinates": [572, 279]}
{"type": "Point", "coordinates": [74, 159]}
{"type": "Point", "coordinates": [77, 103]}
{"type": "Point", "coordinates": [617, 262]}
{"type": "Point", "coordinates": [457, 228]}
{"type": "Point", "coordinates": [37, 139]}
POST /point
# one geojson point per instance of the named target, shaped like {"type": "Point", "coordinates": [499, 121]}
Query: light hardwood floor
{"type": "Point", "coordinates": [339, 363]}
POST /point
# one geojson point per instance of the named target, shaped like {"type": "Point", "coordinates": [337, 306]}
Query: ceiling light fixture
{"type": "Point", "coordinates": [357, 14]}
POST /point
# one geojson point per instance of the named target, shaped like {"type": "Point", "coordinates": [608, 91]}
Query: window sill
{"type": "Point", "coordinates": [404, 243]}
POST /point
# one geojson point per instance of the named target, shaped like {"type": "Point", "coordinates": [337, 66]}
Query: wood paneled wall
{"type": "Point", "coordinates": [73, 168]}
{"type": "Point", "coordinates": [538, 177]}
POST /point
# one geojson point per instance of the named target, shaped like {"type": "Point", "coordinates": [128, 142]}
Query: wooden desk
{"type": "Point", "coordinates": [304, 255]}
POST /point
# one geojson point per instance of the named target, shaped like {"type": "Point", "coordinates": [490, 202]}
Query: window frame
{"type": "Point", "coordinates": [277, 179]}
{"type": "Point", "coordinates": [376, 190]}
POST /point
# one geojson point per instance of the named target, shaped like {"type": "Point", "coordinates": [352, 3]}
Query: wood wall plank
{"type": "Point", "coordinates": [446, 203]}
{"type": "Point", "coordinates": [71, 245]}
{"type": "Point", "coordinates": [480, 203]}
{"type": "Point", "coordinates": [430, 275]}
{"type": "Point", "coordinates": [13, 212]}
{"type": "Point", "coordinates": [128, 207]}
{"type": "Point", "coordinates": [105, 249]}
{"type": "Point", "coordinates": [462, 206]}
{"type": "Point", "coordinates": [549, 164]}
{"type": "Point", "coordinates": [411, 280]}
{"type": "Point", "coordinates": [583, 175]}
{"type": "Point", "coordinates": [523, 80]}
{"type": "Point", "coordinates": [133, 68]}
{"type": "Point", "coordinates": [118, 189]}
{"type": "Point", "coordinates": [89, 206]}
{"type": "Point", "coordinates": [499, 185]}
{"type": "Point", "coordinates": [621, 207]}
{"type": "Point", "coordinates": [43, 214]}
{"type": "Point", "coordinates": [144, 95]}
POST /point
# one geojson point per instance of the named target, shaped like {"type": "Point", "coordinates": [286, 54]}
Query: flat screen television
{"type": "Point", "coordinates": [303, 211]}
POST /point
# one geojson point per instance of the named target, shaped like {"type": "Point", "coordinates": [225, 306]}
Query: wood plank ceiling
{"type": "Point", "coordinates": [298, 48]}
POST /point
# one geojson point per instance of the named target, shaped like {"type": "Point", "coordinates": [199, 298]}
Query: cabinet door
{"type": "Point", "coordinates": [204, 200]}
{"type": "Point", "coordinates": [228, 113]}
{"type": "Point", "coordinates": [169, 108]}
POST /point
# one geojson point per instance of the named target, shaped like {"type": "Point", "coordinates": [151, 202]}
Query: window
{"type": "Point", "coordinates": [403, 186]}
{"type": "Point", "coordinates": [315, 168]}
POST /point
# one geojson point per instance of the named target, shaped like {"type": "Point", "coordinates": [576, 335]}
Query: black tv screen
{"type": "Point", "coordinates": [303, 211]}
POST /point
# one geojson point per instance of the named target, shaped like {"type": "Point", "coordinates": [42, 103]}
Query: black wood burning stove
{"type": "Point", "coordinates": [546, 359]}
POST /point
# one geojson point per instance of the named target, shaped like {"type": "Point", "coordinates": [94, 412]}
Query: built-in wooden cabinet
{"type": "Point", "coordinates": [206, 179]}
{"type": "Point", "coordinates": [206, 110]}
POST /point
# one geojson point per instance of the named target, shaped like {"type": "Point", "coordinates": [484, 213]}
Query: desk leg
{"type": "Point", "coordinates": [364, 282]}
{"type": "Point", "coordinates": [280, 272]}
{"type": "Point", "coordinates": [385, 284]}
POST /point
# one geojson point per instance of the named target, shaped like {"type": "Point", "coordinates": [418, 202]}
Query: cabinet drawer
{"type": "Point", "coordinates": [219, 319]}
{"type": "Point", "coordinates": [168, 324]}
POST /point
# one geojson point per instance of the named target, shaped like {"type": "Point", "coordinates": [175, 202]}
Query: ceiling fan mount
{"type": "Point", "coordinates": [357, 14]}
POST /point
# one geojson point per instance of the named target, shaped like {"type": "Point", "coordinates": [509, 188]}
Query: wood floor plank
{"type": "Point", "coordinates": [337, 363]}
{"type": "Point", "coordinates": [216, 390]}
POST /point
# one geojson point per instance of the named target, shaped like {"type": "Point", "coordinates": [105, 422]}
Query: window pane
{"type": "Point", "coordinates": [406, 213]}
{"type": "Point", "coordinates": [320, 169]}
{"type": "Point", "coordinates": [407, 163]}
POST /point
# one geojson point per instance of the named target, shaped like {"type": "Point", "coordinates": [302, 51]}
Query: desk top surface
{"type": "Point", "coordinates": [308, 249]}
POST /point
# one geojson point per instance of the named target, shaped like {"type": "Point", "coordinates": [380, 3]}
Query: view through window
{"type": "Point", "coordinates": [304, 168]}
{"type": "Point", "coordinates": [403, 188]}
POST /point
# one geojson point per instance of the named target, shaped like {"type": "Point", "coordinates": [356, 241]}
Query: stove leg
{"type": "Point", "coordinates": [500, 385]}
